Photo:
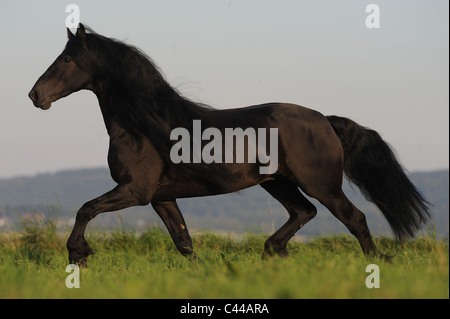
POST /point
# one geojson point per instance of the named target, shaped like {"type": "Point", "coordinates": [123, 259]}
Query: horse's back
{"type": "Point", "coordinates": [291, 120]}
{"type": "Point", "coordinates": [274, 112]}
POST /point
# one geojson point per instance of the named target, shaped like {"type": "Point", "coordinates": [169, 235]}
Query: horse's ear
{"type": "Point", "coordinates": [81, 33]}
{"type": "Point", "coordinates": [70, 34]}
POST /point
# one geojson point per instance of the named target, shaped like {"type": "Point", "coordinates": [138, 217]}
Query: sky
{"type": "Point", "coordinates": [319, 54]}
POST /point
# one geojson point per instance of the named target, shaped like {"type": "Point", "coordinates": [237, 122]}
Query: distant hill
{"type": "Point", "coordinates": [61, 194]}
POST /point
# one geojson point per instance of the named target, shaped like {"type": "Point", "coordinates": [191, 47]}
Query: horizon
{"type": "Point", "coordinates": [76, 169]}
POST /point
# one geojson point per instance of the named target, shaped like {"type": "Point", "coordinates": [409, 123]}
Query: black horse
{"type": "Point", "coordinates": [141, 109]}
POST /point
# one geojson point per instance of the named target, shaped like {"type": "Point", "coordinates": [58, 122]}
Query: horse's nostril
{"type": "Point", "coordinates": [33, 95]}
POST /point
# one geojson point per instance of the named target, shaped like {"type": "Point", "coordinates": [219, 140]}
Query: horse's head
{"type": "Point", "coordinates": [64, 76]}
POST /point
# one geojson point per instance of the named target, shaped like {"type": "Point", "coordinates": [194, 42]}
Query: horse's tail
{"type": "Point", "coordinates": [370, 163]}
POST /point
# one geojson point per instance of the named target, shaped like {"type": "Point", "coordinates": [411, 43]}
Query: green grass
{"type": "Point", "coordinates": [128, 265]}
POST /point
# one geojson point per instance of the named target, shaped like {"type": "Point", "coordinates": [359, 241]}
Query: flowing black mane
{"type": "Point", "coordinates": [131, 73]}
{"type": "Point", "coordinates": [139, 98]}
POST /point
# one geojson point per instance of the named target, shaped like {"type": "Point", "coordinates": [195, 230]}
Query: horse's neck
{"type": "Point", "coordinates": [110, 119]}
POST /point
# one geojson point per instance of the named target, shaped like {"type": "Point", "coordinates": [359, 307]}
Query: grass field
{"type": "Point", "coordinates": [127, 265]}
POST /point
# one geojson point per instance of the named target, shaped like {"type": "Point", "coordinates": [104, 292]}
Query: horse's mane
{"type": "Point", "coordinates": [140, 99]}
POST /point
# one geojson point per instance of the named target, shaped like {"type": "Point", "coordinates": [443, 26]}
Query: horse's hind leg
{"type": "Point", "coordinates": [174, 221]}
{"type": "Point", "coordinates": [341, 207]}
{"type": "Point", "coordinates": [300, 211]}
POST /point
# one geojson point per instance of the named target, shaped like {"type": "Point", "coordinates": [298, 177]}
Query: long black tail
{"type": "Point", "coordinates": [370, 163]}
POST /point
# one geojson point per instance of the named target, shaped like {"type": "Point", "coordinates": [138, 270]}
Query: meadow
{"type": "Point", "coordinates": [33, 264]}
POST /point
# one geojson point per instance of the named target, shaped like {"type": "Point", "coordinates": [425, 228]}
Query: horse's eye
{"type": "Point", "coordinates": [66, 59]}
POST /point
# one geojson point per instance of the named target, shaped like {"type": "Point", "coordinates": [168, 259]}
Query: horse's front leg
{"type": "Point", "coordinates": [120, 197]}
{"type": "Point", "coordinates": [174, 221]}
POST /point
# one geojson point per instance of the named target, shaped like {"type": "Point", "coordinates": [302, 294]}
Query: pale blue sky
{"type": "Point", "coordinates": [236, 53]}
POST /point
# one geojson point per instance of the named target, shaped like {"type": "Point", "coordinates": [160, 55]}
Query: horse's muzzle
{"type": "Point", "coordinates": [34, 96]}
